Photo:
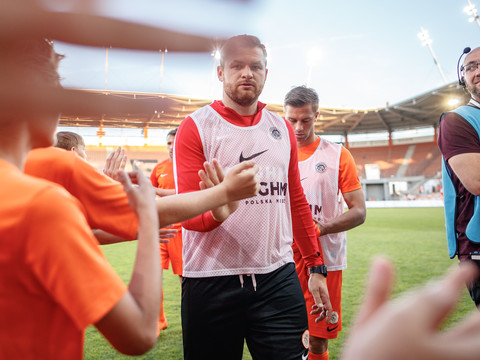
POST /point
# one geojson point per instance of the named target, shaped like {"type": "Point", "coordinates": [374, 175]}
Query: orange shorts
{"type": "Point", "coordinates": [171, 252]}
{"type": "Point", "coordinates": [334, 285]}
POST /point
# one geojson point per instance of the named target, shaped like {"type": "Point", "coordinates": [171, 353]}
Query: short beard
{"type": "Point", "coordinates": [474, 92]}
{"type": "Point", "coordinates": [242, 101]}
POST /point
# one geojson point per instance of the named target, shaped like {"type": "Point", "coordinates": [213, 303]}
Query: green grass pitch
{"type": "Point", "coordinates": [413, 238]}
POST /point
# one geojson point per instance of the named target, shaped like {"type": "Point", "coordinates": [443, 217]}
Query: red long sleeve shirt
{"type": "Point", "coordinates": [189, 158]}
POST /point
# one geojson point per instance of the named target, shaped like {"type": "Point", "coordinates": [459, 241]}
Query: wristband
{"type": "Point", "coordinates": [321, 269]}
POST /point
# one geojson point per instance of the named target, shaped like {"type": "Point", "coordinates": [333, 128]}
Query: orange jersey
{"type": "Point", "coordinates": [105, 202]}
{"type": "Point", "coordinates": [348, 178]}
{"type": "Point", "coordinates": [54, 279]}
{"type": "Point", "coordinates": [162, 175]}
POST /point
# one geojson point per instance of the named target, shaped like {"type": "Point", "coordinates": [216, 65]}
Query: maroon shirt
{"type": "Point", "coordinates": [456, 136]}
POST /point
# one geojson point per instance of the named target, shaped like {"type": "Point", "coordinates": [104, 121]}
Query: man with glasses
{"type": "Point", "coordinates": [459, 143]}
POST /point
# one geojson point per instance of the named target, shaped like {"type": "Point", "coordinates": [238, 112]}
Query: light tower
{"type": "Point", "coordinates": [427, 41]}
{"type": "Point", "coordinates": [471, 10]}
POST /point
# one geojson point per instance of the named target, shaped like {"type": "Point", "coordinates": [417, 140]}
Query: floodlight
{"type": "Point", "coordinates": [471, 10]}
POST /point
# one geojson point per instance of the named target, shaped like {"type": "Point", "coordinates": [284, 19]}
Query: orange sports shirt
{"type": "Point", "coordinates": [162, 175]}
{"type": "Point", "coordinates": [54, 279]}
{"type": "Point", "coordinates": [105, 201]}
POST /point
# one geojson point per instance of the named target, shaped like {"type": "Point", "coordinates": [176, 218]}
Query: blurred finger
{"type": "Point", "coordinates": [205, 182]}
{"type": "Point", "coordinates": [441, 296]}
{"type": "Point", "coordinates": [219, 170]}
{"type": "Point", "coordinates": [459, 342]}
{"type": "Point", "coordinates": [166, 236]}
{"type": "Point", "coordinates": [168, 231]}
{"type": "Point", "coordinates": [118, 158]}
{"type": "Point", "coordinates": [123, 163]}
{"type": "Point", "coordinates": [244, 165]}
{"type": "Point", "coordinates": [140, 179]}
{"type": "Point", "coordinates": [319, 310]}
{"type": "Point", "coordinates": [125, 180]}
{"type": "Point", "coordinates": [211, 173]}
{"type": "Point", "coordinates": [91, 29]}
{"type": "Point", "coordinates": [108, 161]}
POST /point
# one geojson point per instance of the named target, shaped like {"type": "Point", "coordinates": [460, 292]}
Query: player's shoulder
{"type": "Point", "coordinates": [155, 168]}
{"type": "Point", "coordinates": [54, 203]}
{"type": "Point", "coordinates": [42, 185]}
{"type": "Point", "coordinates": [452, 125]}
{"type": "Point", "coordinates": [50, 155]}
{"type": "Point", "coordinates": [211, 108]}
{"type": "Point", "coordinates": [344, 150]}
{"type": "Point", "coordinates": [163, 164]}
{"type": "Point", "coordinates": [274, 115]}
{"type": "Point", "coordinates": [346, 160]}
{"type": "Point", "coordinates": [32, 190]}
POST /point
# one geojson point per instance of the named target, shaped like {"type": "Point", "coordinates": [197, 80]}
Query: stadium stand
{"type": "Point", "coordinates": [387, 158]}
{"type": "Point", "coordinates": [426, 161]}
{"type": "Point", "coordinates": [422, 159]}
{"type": "Point", "coordinates": [411, 161]}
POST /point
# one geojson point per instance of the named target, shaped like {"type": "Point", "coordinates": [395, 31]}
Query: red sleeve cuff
{"type": "Point", "coordinates": [202, 223]}
{"type": "Point", "coordinates": [313, 260]}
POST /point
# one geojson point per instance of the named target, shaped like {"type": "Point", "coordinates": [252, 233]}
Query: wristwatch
{"type": "Point", "coordinates": [321, 269]}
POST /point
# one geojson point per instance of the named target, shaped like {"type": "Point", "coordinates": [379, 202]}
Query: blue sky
{"type": "Point", "coordinates": [369, 52]}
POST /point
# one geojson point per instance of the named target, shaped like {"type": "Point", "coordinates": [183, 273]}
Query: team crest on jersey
{"type": "Point", "coordinates": [275, 133]}
{"type": "Point", "coordinates": [306, 339]}
{"type": "Point", "coordinates": [320, 167]}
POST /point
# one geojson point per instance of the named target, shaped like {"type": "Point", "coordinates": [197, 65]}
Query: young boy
{"type": "Point", "coordinates": [54, 279]}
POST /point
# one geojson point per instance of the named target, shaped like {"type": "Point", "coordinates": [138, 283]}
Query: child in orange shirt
{"type": "Point", "coordinates": [54, 279]}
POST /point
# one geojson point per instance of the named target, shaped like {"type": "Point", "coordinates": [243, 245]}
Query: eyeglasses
{"type": "Point", "coordinates": [470, 67]}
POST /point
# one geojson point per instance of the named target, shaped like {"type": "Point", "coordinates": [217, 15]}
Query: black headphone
{"type": "Point", "coordinates": [461, 79]}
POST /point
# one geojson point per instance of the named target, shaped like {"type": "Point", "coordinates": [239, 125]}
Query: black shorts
{"type": "Point", "coordinates": [218, 315]}
{"type": "Point", "coordinates": [474, 287]}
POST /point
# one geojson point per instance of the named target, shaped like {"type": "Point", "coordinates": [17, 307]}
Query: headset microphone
{"type": "Point", "coordinates": [461, 80]}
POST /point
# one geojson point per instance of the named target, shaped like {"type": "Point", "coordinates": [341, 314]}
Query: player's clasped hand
{"type": "Point", "coordinates": [246, 178]}
{"type": "Point", "coordinates": [166, 234]}
{"type": "Point", "coordinates": [116, 160]}
{"type": "Point", "coordinates": [139, 190]}
{"type": "Point", "coordinates": [241, 181]}
{"type": "Point", "coordinates": [318, 287]}
{"type": "Point", "coordinates": [320, 310]}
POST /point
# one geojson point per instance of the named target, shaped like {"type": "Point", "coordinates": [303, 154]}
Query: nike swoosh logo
{"type": "Point", "coordinates": [303, 179]}
{"type": "Point", "coordinates": [162, 175]}
{"type": "Point", "coordinates": [305, 356]}
{"type": "Point", "coordinates": [242, 158]}
{"type": "Point", "coordinates": [331, 329]}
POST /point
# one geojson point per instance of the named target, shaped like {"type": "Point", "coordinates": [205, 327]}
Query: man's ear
{"type": "Point", "coordinates": [220, 72]}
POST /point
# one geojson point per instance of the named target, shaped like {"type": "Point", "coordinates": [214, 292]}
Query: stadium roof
{"type": "Point", "coordinates": [167, 111]}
